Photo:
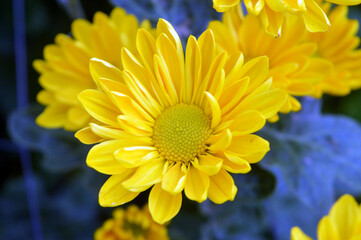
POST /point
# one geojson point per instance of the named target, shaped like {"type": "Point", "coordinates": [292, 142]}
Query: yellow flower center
{"type": "Point", "coordinates": [180, 133]}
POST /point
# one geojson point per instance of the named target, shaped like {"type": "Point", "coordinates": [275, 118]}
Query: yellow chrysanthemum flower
{"type": "Point", "coordinates": [176, 122]}
{"type": "Point", "coordinates": [131, 224]}
{"type": "Point", "coordinates": [272, 12]}
{"type": "Point", "coordinates": [342, 223]}
{"type": "Point", "coordinates": [65, 70]}
{"type": "Point", "coordinates": [339, 47]}
{"type": "Point", "coordinates": [292, 66]}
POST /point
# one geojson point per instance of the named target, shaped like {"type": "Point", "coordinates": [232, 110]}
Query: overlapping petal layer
{"type": "Point", "coordinates": [176, 121]}
{"type": "Point", "coordinates": [65, 68]}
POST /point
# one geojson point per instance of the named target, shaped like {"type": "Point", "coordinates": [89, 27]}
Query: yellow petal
{"type": "Point", "coordinates": [146, 47]}
{"type": "Point", "coordinates": [130, 107]}
{"type": "Point", "coordinates": [272, 21]}
{"type": "Point", "coordinates": [164, 27]}
{"type": "Point", "coordinates": [235, 164]}
{"type": "Point", "coordinates": [45, 97]}
{"type": "Point", "coordinates": [113, 193]}
{"type": "Point", "coordinates": [345, 2]}
{"type": "Point", "coordinates": [54, 116]}
{"type": "Point", "coordinates": [168, 52]}
{"type": "Point", "coordinates": [208, 164]}
{"type": "Point", "coordinates": [163, 206]}
{"type": "Point", "coordinates": [87, 136]}
{"type": "Point", "coordinates": [252, 148]}
{"type": "Point", "coordinates": [196, 185]}
{"type": "Point", "coordinates": [102, 69]}
{"type": "Point", "coordinates": [247, 122]}
{"type": "Point", "coordinates": [221, 188]}
{"type": "Point", "coordinates": [78, 116]}
{"type": "Point", "coordinates": [254, 7]}
{"type": "Point", "coordinates": [101, 156]}
{"type": "Point", "coordinates": [193, 64]}
{"type": "Point", "coordinates": [345, 213]}
{"type": "Point", "coordinates": [130, 157]}
{"type": "Point", "coordinates": [99, 106]}
{"type": "Point", "coordinates": [220, 141]}
{"type": "Point", "coordinates": [315, 19]}
{"type": "Point", "coordinates": [224, 5]}
{"type": "Point", "coordinates": [134, 126]}
{"type": "Point", "coordinates": [106, 132]}
{"type": "Point", "coordinates": [216, 110]}
{"type": "Point", "coordinates": [327, 229]}
{"type": "Point", "coordinates": [174, 179]}
{"type": "Point", "coordinates": [268, 103]}
{"type": "Point", "coordinates": [145, 176]}
{"type": "Point", "coordinates": [297, 234]}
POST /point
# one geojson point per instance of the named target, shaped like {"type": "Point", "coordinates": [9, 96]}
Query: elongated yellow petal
{"type": "Point", "coordinates": [345, 2]}
{"type": "Point", "coordinates": [215, 109]}
{"type": "Point", "coordinates": [146, 47]}
{"type": "Point", "coordinates": [345, 214]}
{"type": "Point", "coordinates": [327, 229]}
{"type": "Point", "coordinates": [193, 63]}
{"type": "Point", "coordinates": [163, 206]}
{"type": "Point", "coordinates": [131, 108]}
{"type": "Point", "coordinates": [242, 166]}
{"type": "Point", "coordinates": [98, 105]}
{"type": "Point", "coordinates": [87, 136]}
{"type": "Point", "coordinates": [224, 5]}
{"type": "Point", "coordinates": [113, 193]}
{"type": "Point", "coordinates": [101, 156]}
{"type": "Point", "coordinates": [101, 69]}
{"type": "Point", "coordinates": [220, 141]}
{"type": "Point", "coordinates": [208, 164]}
{"type": "Point", "coordinates": [250, 147]}
{"type": "Point", "coordinates": [247, 122]}
{"type": "Point", "coordinates": [174, 63]}
{"type": "Point", "coordinates": [267, 103]}
{"type": "Point", "coordinates": [315, 19]}
{"type": "Point", "coordinates": [221, 188]}
{"type": "Point", "coordinates": [197, 184]}
{"type": "Point", "coordinates": [297, 234]}
{"type": "Point", "coordinates": [134, 126]}
{"type": "Point", "coordinates": [254, 7]}
{"type": "Point", "coordinates": [106, 132]}
{"type": "Point", "coordinates": [131, 157]}
{"type": "Point", "coordinates": [54, 116]}
{"type": "Point", "coordinates": [174, 179]}
{"type": "Point", "coordinates": [272, 21]}
{"type": "Point", "coordinates": [145, 176]}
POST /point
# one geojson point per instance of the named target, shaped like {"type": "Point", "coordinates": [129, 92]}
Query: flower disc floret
{"type": "Point", "coordinates": [180, 133]}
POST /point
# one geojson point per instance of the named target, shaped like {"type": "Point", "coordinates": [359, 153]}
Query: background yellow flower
{"type": "Point", "coordinates": [65, 68]}
{"type": "Point", "coordinates": [339, 46]}
{"type": "Point", "coordinates": [131, 223]}
{"type": "Point", "coordinates": [272, 12]}
{"type": "Point", "coordinates": [342, 223]}
{"type": "Point", "coordinates": [178, 122]}
{"type": "Point", "coordinates": [292, 65]}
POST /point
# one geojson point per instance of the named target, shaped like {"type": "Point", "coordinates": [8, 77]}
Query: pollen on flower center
{"type": "Point", "coordinates": [180, 132]}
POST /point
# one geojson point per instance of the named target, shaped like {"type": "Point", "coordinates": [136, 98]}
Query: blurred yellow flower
{"type": "Point", "coordinates": [342, 223]}
{"type": "Point", "coordinates": [339, 46]}
{"type": "Point", "coordinates": [131, 224]}
{"type": "Point", "coordinates": [178, 122]}
{"type": "Point", "coordinates": [65, 68]}
{"type": "Point", "coordinates": [272, 12]}
{"type": "Point", "coordinates": [292, 66]}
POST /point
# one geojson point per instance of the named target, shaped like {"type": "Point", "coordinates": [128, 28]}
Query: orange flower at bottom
{"type": "Point", "coordinates": [131, 224]}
